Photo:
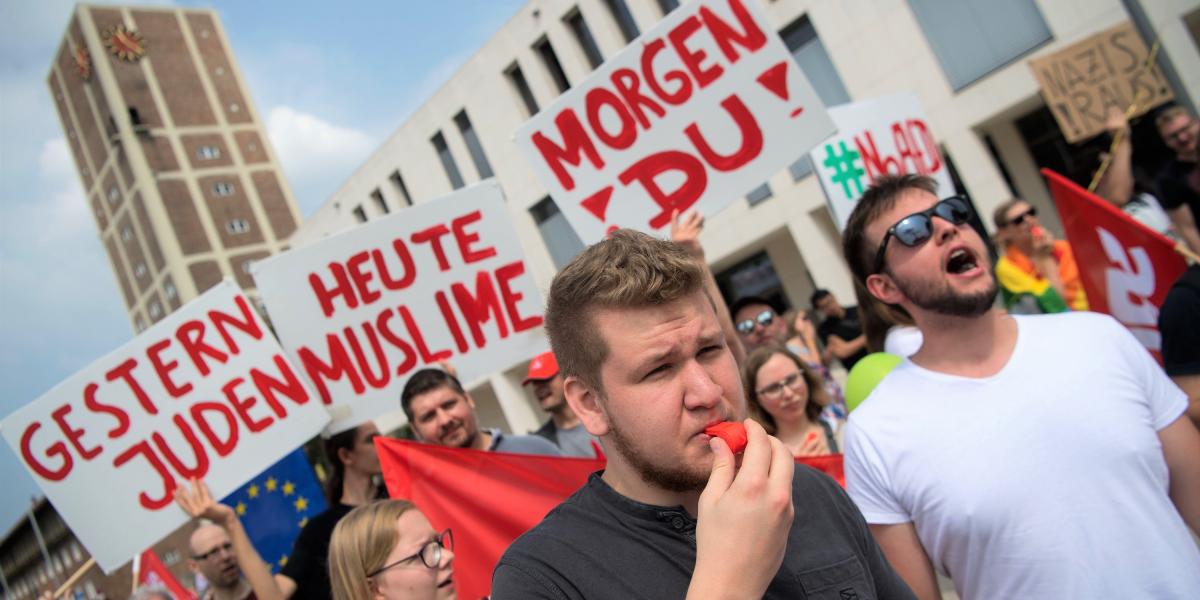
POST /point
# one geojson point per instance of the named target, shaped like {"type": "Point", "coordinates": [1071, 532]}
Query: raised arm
{"type": "Point", "coordinates": [198, 503]}
{"type": "Point", "coordinates": [1116, 185]}
{"type": "Point", "coordinates": [685, 231]}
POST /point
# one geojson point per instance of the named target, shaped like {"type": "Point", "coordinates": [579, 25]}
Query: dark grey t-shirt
{"type": "Point", "coordinates": [600, 544]}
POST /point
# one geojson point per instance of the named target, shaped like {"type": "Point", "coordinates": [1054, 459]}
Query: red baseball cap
{"type": "Point", "coordinates": [543, 366]}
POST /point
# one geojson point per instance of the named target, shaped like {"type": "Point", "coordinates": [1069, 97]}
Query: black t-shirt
{"type": "Point", "coordinates": [600, 544]}
{"type": "Point", "coordinates": [308, 565]}
{"type": "Point", "coordinates": [1179, 323]}
{"type": "Point", "coordinates": [1180, 184]}
{"type": "Point", "coordinates": [847, 328]}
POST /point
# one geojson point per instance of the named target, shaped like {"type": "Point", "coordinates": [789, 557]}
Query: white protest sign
{"type": "Point", "coordinates": [205, 393]}
{"type": "Point", "coordinates": [693, 114]}
{"type": "Point", "coordinates": [876, 137]}
{"type": "Point", "coordinates": [441, 281]}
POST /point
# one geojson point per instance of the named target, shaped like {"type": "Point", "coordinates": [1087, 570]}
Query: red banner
{"type": "Point", "coordinates": [152, 573]}
{"type": "Point", "coordinates": [1126, 267]}
{"type": "Point", "coordinates": [490, 498]}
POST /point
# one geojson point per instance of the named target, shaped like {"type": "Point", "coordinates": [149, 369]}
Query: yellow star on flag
{"type": "Point", "coordinates": [303, 522]}
{"type": "Point", "coordinates": [301, 504]}
{"type": "Point", "coordinates": [289, 488]}
{"type": "Point", "coordinates": [271, 484]}
{"type": "Point", "coordinates": [283, 561]}
{"type": "Point", "coordinates": [241, 509]}
{"type": "Point", "coordinates": [252, 491]}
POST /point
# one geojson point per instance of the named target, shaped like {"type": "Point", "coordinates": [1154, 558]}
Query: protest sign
{"type": "Point", "coordinates": [1126, 267]}
{"type": "Point", "coordinates": [441, 281]}
{"type": "Point", "coordinates": [693, 114]}
{"type": "Point", "coordinates": [882, 136]}
{"type": "Point", "coordinates": [1080, 82]}
{"type": "Point", "coordinates": [205, 393]}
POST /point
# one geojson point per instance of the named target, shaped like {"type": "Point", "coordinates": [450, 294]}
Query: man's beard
{"type": "Point", "coordinates": [670, 479]}
{"type": "Point", "coordinates": [939, 297]}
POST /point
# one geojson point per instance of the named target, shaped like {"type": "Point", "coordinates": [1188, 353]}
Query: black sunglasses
{"type": "Point", "coordinates": [430, 554]}
{"type": "Point", "coordinates": [764, 318]}
{"type": "Point", "coordinates": [1019, 219]}
{"type": "Point", "coordinates": [917, 228]}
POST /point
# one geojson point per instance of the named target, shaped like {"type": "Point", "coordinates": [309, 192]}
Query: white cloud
{"type": "Point", "coordinates": [317, 156]}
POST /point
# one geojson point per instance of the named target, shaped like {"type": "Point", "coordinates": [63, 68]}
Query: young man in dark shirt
{"type": "Point", "coordinates": [841, 331]}
{"type": "Point", "coordinates": [647, 368]}
{"type": "Point", "coordinates": [1180, 181]}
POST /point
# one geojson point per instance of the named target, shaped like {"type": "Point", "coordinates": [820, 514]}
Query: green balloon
{"type": "Point", "coordinates": [866, 374]}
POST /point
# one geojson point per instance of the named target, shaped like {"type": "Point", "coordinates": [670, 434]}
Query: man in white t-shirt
{"type": "Point", "coordinates": [1023, 456]}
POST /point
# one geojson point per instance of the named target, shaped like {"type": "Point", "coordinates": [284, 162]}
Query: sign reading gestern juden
{"type": "Point", "coordinates": [1081, 81]}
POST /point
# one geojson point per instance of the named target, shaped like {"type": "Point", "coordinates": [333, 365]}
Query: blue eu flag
{"type": "Point", "coordinates": [276, 504]}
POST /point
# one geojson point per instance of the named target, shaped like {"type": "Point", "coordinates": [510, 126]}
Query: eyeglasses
{"type": "Point", "coordinates": [764, 318]}
{"type": "Point", "coordinates": [794, 382]}
{"type": "Point", "coordinates": [1177, 135]}
{"type": "Point", "coordinates": [430, 554]}
{"type": "Point", "coordinates": [917, 228]}
{"type": "Point", "coordinates": [1020, 219]}
{"type": "Point", "coordinates": [226, 547]}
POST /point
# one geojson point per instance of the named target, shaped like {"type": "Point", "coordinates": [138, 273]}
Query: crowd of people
{"type": "Point", "coordinates": [1033, 449]}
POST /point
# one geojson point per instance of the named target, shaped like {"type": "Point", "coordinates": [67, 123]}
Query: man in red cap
{"type": "Point", "coordinates": [563, 428]}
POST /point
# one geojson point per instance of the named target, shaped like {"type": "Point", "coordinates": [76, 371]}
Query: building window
{"type": "Point", "coordinates": [557, 233]}
{"type": "Point", "coordinates": [359, 214]}
{"type": "Point", "coordinates": [170, 291]}
{"type": "Point", "coordinates": [668, 6]}
{"type": "Point", "coordinates": [140, 270]}
{"type": "Point", "coordinates": [583, 35]}
{"type": "Point", "coordinates": [809, 53]}
{"type": "Point", "coordinates": [759, 194]}
{"type": "Point", "coordinates": [155, 310]}
{"type": "Point", "coordinates": [246, 266]}
{"type": "Point", "coordinates": [620, 13]}
{"type": "Point", "coordinates": [237, 226]}
{"type": "Point", "coordinates": [550, 59]}
{"type": "Point", "coordinates": [517, 79]}
{"type": "Point", "coordinates": [398, 182]}
{"type": "Point", "coordinates": [443, 151]}
{"type": "Point", "coordinates": [380, 203]}
{"type": "Point", "coordinates": [223, 188]}
{"type": "Point", "coordinates": [463, 122]}
{"type": "Point", "coordinates": [972, 38]}
{"type": "Point", "coordinates": [127, 233]}
{"type": "Point", "coordinates": [208, 152]}
{"type": "Point", "coordinates": [114, 194]}
{"type": "Point", "coordinates": [140, 325]}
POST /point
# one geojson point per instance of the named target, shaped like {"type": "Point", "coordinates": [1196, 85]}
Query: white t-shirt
{"type": "Point", "coordinates": [1045, 480]}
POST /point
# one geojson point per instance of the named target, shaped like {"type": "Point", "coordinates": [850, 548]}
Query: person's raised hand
{"type": "Point", "coordinates": [1114, 121]}
{"type": "Point", "coordinates": [685, 231]}
{"type": "Point", "coordinates": [743, 518]}
{"type": "Point", "coordinates": [197, 502]}
{"type": "Point", "coordinates": [813, 445]}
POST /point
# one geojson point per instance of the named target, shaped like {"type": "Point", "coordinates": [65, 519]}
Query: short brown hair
{"type": "Point", "coordinates": [1000, 215]}
{"type": "Point", "coordinates": [817, 398]}
{"type": "Point", "coordinates": [878, 199]}
{"type": "Point", "coordinates": [1168, 114]}
{"type": "Point", "coordinates": [360, 544]}
{"type": "Point", "coordinates": [629, 269]}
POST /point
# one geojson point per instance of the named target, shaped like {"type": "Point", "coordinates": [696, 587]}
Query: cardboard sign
{"type": "Point", "coordinates": [1081, 81]}
{"type": "Point", "coordinates": [693, 114]}
{"type": "Point", "coordinates": [205, 393]}
{"type": "Point", "coordinates": [442, 281]}
{"type": "Point", "coordinates": [1126, 268]}
{"type": "Point", "coordinates": [876, 137]}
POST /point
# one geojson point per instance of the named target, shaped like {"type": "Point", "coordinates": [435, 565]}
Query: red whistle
{"type": "Point", "coordinates": [732, 432]}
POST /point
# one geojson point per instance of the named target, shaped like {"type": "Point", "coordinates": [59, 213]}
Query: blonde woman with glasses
{"type": "Point", "coordinates": [387, 550]}
{"type": "Point", "coordinates": [787, 398]}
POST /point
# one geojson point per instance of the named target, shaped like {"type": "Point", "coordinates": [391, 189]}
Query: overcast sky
{"type": "Point", "coordinates": [330, 80]}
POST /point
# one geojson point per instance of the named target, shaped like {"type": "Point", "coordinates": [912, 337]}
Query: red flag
{"type": "Point", "coordinates": [153, 573]}
{"type": "Point", "coordinates": [490, 498]}
{"type": "Point", "coordinates": [1126, 267]}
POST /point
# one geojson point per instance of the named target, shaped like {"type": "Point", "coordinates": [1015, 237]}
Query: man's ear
{"type": "Point", "coordinates": [884, 289]}
{"type": "Point", "coordinates": [586, 403]}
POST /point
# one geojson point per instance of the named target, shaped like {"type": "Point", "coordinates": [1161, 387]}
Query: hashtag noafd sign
{"type": "Point", "coordinates": [888, 135]}
{"type": "Point", "coordinates": [693, 114]}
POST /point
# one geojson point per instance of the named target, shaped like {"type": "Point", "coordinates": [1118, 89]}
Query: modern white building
{"type": "Point", "coordinates": [965, 59]}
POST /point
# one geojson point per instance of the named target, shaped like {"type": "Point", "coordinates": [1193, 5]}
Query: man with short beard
{"type": "Point", "coordinates": [646, 366]}
{"type": "Point", "coordinates": [1038, 456]}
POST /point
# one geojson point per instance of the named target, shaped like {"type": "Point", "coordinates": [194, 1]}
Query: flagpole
{"type": "Point", "coordinates": [66, 587]}
{"type": "Point", "coordinates": [1129, 112]}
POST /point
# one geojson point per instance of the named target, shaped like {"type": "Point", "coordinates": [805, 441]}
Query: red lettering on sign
{"type": "Point", "coordinates": [57, 449]}
{"type": "Point", "coordinates": [504, 275]}
{"type": "Point", "coordinates": [750, 37]}
{"type": "Point", "coordinates": [433, 236]}
{"type": "Point", "coordinates": [406, 263]}
{"type": "Point", "coordinates": [338, 366]}
{"type": "Point", "coordinates": [597, 203]}
{"type": "Point", "coordinates": [479, 308]}
{"type": "Point", "coordinates": [575, 144]}
{"type": "Point", "coordinates": [451, 322]}
{"type": "Point", "coordinates": [222, 446]}
{"type": "Point", "coordinates": [341, 287]}
{"type": "Point", "coordinates": [243, 406]}
{"type": "Point", "coordinates": [647, 169]}
{"type": "Point", "coordinates": [466, 239]}
{"type": "Point", "coordinates": [627, 83]}
{"type": "Point", "coordinates": [410, 357]}
{"type": "Point", "coordinates": [143, 448]}
{"type": "Point", "coordinates": [124, 372]}
{"type": "Point", "coordinates": [191, 337]}
{"type": "Point", "coordinates": [360, 357]}
{"type": "Point", "coordinates": [248, 325]}
{"type": "Point", "coordinates": [163, 369]}
{"type": "Point", "coordinates": [597, 99]}
{"type": "Point", "coordinates": [752, 138]}
{"type": "Point", "coordinates": [681, 93]}
{"type": "Point", "coordinates": [290, 386]}
{"type": "Point", "coordinates": [414, 332]}
{"type": "Point", "coordinates": [693, 59]}
{"type": "Point", "coordinates": [73, 435]}
{"type": "Point", "coordinates": [198, 454]}
{"type": "Point", "coordinates": [361, 279]}
{"type": "Point", "coordinates": [94, 405]}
